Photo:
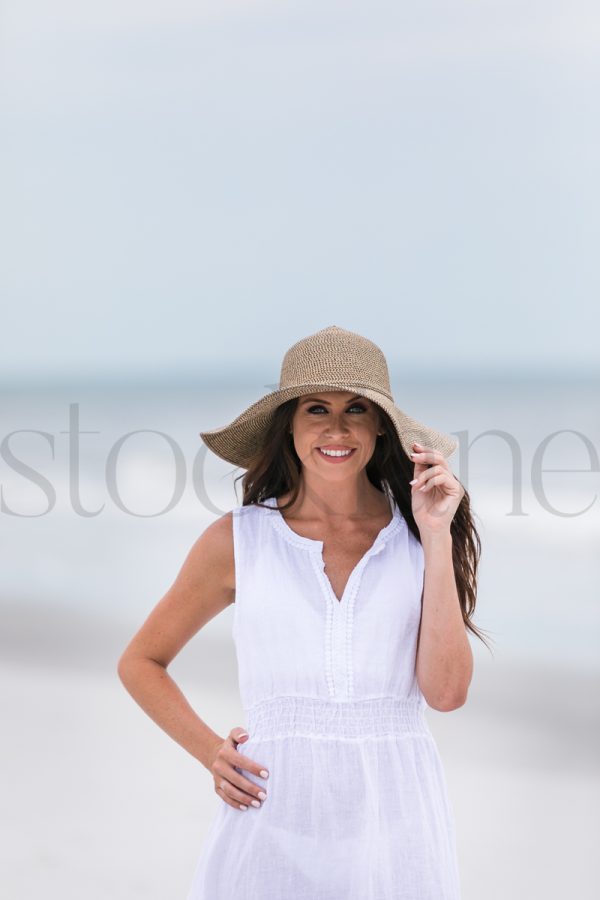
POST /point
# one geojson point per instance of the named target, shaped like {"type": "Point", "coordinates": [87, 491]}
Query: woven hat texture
{"type": "Point", "coordinates": [332, 359]}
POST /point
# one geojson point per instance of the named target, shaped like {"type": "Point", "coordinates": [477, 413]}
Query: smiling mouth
{"type": "Point", "coordinates": [336, 454]}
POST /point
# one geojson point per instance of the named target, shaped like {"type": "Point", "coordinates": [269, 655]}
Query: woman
{"type": "Point", "coordinates": [352, 564]}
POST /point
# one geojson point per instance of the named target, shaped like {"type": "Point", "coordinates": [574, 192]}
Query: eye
{"type": "Point", "coordinates": [359, 406]}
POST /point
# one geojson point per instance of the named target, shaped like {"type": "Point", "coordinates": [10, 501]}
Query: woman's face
{"type": "Point", "coordinates": [335, 420]}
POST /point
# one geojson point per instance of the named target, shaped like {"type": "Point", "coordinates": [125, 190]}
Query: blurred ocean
{"type": "Point", "coordinates": [104, 488]}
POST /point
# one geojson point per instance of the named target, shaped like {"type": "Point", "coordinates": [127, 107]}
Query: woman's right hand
{"type": "Point", "coordinates": [231, 785]}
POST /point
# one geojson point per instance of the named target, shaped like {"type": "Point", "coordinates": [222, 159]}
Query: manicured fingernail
{"type": "Point", "coordinates": [264, 773]}
{"type": "Point", "coordinates": [414, 481]}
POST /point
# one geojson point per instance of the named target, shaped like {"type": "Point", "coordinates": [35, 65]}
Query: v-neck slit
{"type": "Point", "coordinates": [316, 547]}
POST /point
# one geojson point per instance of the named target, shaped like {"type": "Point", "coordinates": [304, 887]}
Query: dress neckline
{"type": "Point", "coordinates": [317, 546]}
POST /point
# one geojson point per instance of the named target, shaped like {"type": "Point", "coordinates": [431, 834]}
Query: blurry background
{"type": "Point", "coordinates": [189, 188]}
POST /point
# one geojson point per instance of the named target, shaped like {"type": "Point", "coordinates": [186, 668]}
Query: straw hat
{"type": "Point", "coordinates": [332, 359]}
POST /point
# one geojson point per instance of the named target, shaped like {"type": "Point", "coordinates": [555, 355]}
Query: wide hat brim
{"type": "Point", "coordinates": [241, 440]}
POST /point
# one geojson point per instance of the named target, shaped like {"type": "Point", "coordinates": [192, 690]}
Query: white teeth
{"type": "Point", "coordinates": [335, 452]}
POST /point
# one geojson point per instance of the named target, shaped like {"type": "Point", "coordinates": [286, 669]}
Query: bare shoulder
{"type": "Point", "coordinates": [212, 553]}
{"type": "Point", "coordinates": [203, 587]}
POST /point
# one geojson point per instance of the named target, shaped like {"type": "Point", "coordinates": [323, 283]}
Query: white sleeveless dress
{"type": "Point", "coordinates": [357, 806]}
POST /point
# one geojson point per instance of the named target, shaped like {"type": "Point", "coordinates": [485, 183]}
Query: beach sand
{"type": "Point", "coordinates": [99, 803]}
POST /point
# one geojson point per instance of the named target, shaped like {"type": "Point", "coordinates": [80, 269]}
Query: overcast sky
{"type": "Point", "coordinates": [189, 183]}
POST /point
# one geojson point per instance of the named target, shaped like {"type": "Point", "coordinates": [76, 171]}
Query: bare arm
{"type": "Point", "coordinates": [444, 664]}
{"type": "Point", "coordinates": [204, 587]}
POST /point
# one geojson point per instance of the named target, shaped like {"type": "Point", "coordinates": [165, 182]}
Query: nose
{"type": "Point", "coordinates": [337, 424]}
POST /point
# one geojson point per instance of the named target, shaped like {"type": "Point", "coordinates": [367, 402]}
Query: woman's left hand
{"type": "Point", "coordinates": [436, 492]}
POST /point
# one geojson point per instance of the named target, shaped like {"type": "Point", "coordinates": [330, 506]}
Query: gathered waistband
{"type": "Point", "coordinates": [315, 717]}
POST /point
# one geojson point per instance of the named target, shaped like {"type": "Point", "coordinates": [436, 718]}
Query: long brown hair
{"type": "Point", "coordinates": [277, 469]}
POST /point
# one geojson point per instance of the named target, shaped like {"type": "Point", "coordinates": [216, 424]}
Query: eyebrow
{"type": "Point", "coordinates": [327, 403]}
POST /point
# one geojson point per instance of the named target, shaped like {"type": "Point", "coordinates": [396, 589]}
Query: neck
{"type": "Point", "coordinates": [329, 502]}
